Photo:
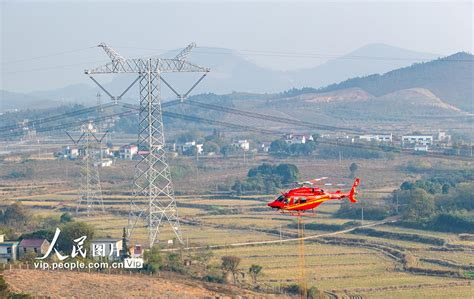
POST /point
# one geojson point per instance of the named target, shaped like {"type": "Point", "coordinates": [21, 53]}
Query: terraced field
{"type": "Point", "coordinates": [352, 263]}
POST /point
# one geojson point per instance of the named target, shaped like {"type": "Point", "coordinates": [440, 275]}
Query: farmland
{"type": "Point", "coordinates": [358, 262]}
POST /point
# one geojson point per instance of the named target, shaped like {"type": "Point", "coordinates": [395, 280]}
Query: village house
{"type": "Point", "coordinates": [412, 140]}
{"type": "Point", "coordinates": [264, 147]}
{"type": "Point", "coordinates": [105, 163]}
{"type": "Point", "coordinates": [34, 247]}
{"type": "Point", "coordinates": [128, 152]}
{"type": "Point", "coordinates": [70, 152]}
{"type": "Point", "coordinates": [136, 251]}
{"type": "Point", "coordinates": [114, 151]}
{"type": "Point", "coordinates": [376, 137]}
{"type": "Point", "coordinates": [443, 139]}
{"type": "Point", "coordinates": [242, 144]}
{"type": "Point", "coordinates": [192, 144]}
{"type": "Point", "coordinates": [106, 248]}
{"type": "Point", "coordinates": [297, 138]}
{"type": "Point", "coordinates": [421, 148]}
{"type": "Point", "coordinates": [8, 250]}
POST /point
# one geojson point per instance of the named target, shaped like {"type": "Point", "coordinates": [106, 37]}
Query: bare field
{"type": "Point", "coordinates": [210, 219]}
{"type": "Point", "coordinates": [55, 284]}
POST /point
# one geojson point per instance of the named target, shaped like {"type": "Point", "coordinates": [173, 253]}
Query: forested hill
{"type": "Point", "coordinates": [449, 78]}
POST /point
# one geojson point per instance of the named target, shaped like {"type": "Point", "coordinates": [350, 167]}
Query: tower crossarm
{"type": "Point", "coordinates": [114, 56]}
{"type": "Point", "coordinates": [138, 65]}
{"type": "Point", "coordinates": [185, 52]}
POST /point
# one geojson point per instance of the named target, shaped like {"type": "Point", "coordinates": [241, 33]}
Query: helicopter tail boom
{"type": "Point", "coordinates": [353, 193]}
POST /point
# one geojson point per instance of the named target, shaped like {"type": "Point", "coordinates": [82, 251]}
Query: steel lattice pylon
{"type": "Point", "coordinates": [152, 180]}
{"type": "Point", "coordinates": [91, 192]}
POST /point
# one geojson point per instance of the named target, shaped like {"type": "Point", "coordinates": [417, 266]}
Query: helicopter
{"type": "Point", "coordinates": [307, 197]}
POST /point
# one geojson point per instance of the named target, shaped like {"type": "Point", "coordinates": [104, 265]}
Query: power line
{"type": "Point", "coordinates": [260, 116]}
{"type": "Point", "coordinates": [48, 55]}
{"type": "Point", "coordinates": [55, 117]}
{"type": "Point", "coordinates": [134, 108]}
{"type": "Point", "coordinates": [386, 149]}
{"type": "Point", "coordinates": [269, 53]}
{"type": "Point", "coordinates": [34, 123]}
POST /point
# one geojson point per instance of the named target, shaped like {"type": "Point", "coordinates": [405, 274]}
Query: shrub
{"type": "Point", "coordinates": [213, 278]}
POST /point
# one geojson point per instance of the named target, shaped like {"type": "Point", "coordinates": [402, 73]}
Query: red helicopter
{"type": "Point", "coordinates": [307, 197]}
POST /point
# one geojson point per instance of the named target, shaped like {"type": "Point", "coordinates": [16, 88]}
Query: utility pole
{"type": "Point", "coordinates": [280, 236]}
{"type": "Point", "coordinates": [396, 197]}
{"type": "Point", "coordinates": [99, 104]}
{"type": "Point", "coordinates": [91, 192]}
{"type": "Point", "coordinates": [152, 180]}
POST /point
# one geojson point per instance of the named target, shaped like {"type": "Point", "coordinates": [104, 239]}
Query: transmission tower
{"type": "Point", "coordinates": [152, 181]}
{"type": "Point", "coordinates": [91, 192]}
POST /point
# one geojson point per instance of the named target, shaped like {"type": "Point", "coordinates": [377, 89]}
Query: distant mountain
{"type": "Point", "coordinates": [370, 59]}
{"type": "Point", "coordinates": [76, 93]}
{"type": "Point", "coordinates": [449, 78]}
{"type": "Point", "coordinates": [354, 105]}
{"type": "Point", "coordinates": [230, 71]}
{"type": "Point", "coordinates": [13, 101]}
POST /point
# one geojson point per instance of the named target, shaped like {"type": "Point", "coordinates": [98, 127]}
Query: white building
{"type": "Point", "coordinates": [412, 140]}
{"type": "Point", "coordinates": [443, 137]}
{"type": "Point", "coordinates": [127, 152]}
{"type": "Point", "coordinates": [265, 147]}
{"type": "Point", "coordinates": [192, 144]}
{"type": "Point", "coordinates": [298, 139]}
{"type": "Point", "coordinates": [242, 144]}
{"type": "Point", "coordinates": [8, 250]}
{"type": "Point", "coordinates": [421, 148]}
{"type": "Point", "coordinates": [70, 152]}
{"type": "Point", "coordinates": [105, 163]}
{"type": "Point", "coordinates": [377, 138]}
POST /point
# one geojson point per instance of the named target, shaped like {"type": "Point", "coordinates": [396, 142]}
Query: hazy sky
{"type": "Point", "coordinates": [31, 29]}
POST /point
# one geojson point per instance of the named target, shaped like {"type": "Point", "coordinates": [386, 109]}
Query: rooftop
{"type": "Point", "coordinates": [32, 242]}
{"type": "Point", "coordinates": [8, 243]}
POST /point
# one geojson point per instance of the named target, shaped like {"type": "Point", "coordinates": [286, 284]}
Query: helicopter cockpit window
{"type": "Point", "coordinates": [287, 200]}
{"type": "Point", "coordinates": [302, 199]}
{"type": "Point", "coordinates": [280, 198]}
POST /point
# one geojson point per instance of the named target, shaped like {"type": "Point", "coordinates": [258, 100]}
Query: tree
{"type": "Point", "coordinates": [230, 264]}
{"type": "Point", "coordinates": [191, 151]}
{"type": "Point", "coordinates": [353, 168]}
{"type": "Point", "coordinates": [65, 217]}
{"type": "Point", "coordinates": [211, 147]}
{"type": "Point", "coordinates": [406, 185]}
{"type": "Point", "coordinates": [314, 293]}
{"type": "Point", "coordinates": [189, 136]}
{"type": "Point", "coordinates": [74, 230]}
{"type": "Point", "coordinates": [262, 170]}
{"type": "Point", "coordinates": [227, 150]}
{"type": "Point", "coordinates": [153, 259]}
{"type": "Point", "coordinates": [203, 256]}
{"type": "Point", "coordinates": [255, 271]}
{"type": "Point", "coordinates": [278, 147]}
{"type": "Point", "coordinates": [288, 172]}
{"type": "Point", "coordinates": [174, 262]}
{"type": "Point", "coordinates": [125, 252]}
{"type": "Point", "coordinates": [445, 188]}
{"type": "Point", "coordinates": [420, 206]}
{"type": "Point", "coordinates": [16, 216]}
